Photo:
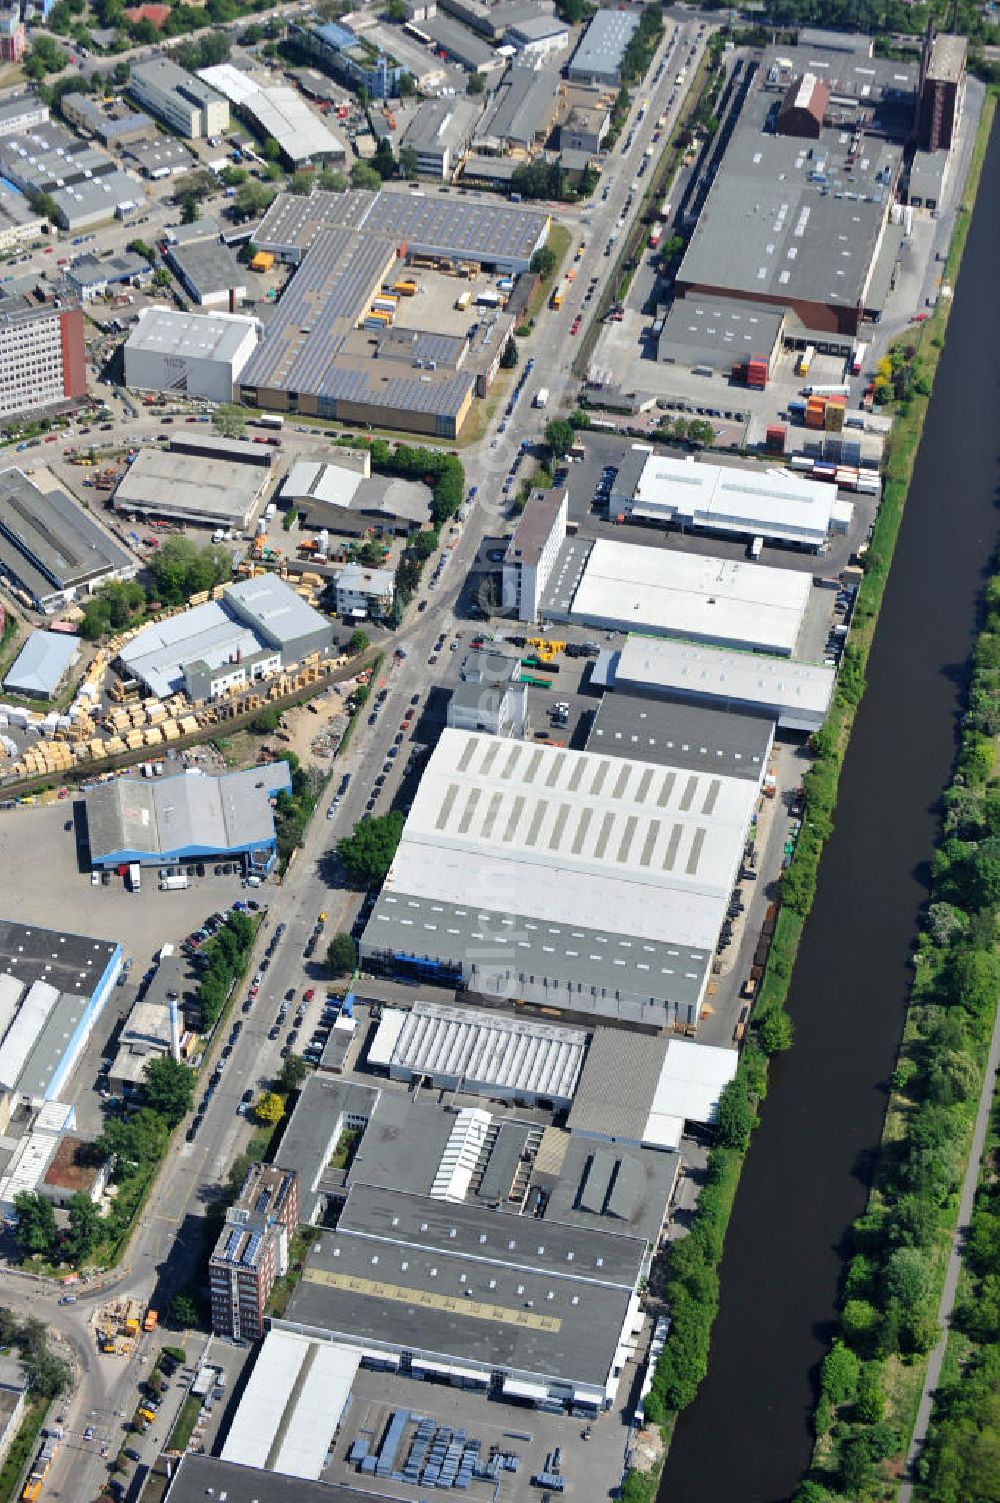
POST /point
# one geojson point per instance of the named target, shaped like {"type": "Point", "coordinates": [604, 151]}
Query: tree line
{"type": "Point", "coordinates": [891, 1289]}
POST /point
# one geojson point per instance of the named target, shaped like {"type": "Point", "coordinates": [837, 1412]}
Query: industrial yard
{"type": "Point", "coordinates": [442, 453]}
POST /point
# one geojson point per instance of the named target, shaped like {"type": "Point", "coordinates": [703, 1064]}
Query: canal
{"type": "Point", "coordinates": [747, 1438]}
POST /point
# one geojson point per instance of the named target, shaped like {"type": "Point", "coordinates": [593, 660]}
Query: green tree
{"type": "Point", "coordinates": [841, 1371]}
{"type": "Point", "coordinates": [543, 262]}
{"type": "Point", "coordinates": [252, 199]}
{"type": "Point", "coordinates": [476, 84]}
{"type": "Point", "coordinates": [85, 1228]}
{"type": "Point", "coordinates": [232, 177]}
{"type": "Point", "coordinates": [36, 1225]}
{"type": "Point", "coordinates": [270, 1108]}
{"type": "Point", "coordinates": [230, 420]}
{"type": "Point", "coordinates": [776, 1032]}
{"type": "Point", "coordinates": [332, 181]}
{"type": "Point", "coordinates": [168, 1088]}
{"type": "Point", "coordinates": [408, 163]}
{"type": "Point", "coordinates": [358, 642]}
{"type": "Point", "coordinates": [424, 543]}
{"type": "Point", "coordinates": [510, 355]}
{"type": "Point", "coordinates": [293, 1072]}
{"type": "Point", "coordinates": [302, 183]}
{"type": "Point", "coordinates": [700, 432]}
{"type": "Point", "coordinates": [735, 1117]}
{"type": "Point", "coordinates": [559, 436]}
{"type": "Point", "coordinates": [342, 955]}
{"type": "Point", "coordinates": [266, 721]}
{"type": "Point", "coordinates": [184, 1309]}
{"type": "Point", "coordinates": [367, 853]}
{"type": "Point", "coordinates": [363, 176]}
{"type": "Point", "coordinates": [271, 150]}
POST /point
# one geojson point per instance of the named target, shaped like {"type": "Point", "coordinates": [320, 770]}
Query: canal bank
{"type": "Point", "coordinates": [748, 1434]}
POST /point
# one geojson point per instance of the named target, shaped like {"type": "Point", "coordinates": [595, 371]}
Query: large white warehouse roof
{"type": "Point", "coordinates": [773, 504]}
{"type": "Point", "coordinates": [797, 694]}
{"type": "Point", "coordinates": [579, 864]}
{"type": "Point", "coordinates": [626, 586]}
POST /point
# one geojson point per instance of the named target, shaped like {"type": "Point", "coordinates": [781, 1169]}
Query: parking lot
{"type": "Point", "coordinates": [590, 1468]}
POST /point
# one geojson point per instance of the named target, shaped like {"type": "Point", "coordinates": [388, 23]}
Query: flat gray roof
{"type": "Point", "coordinates": [197, 485]}
{"type": "Point", "coordinates": [681, 735]}
{"type": "Point", "coordinates": [89, 270]}
{"type": "Point", "coordinates": [603, 44]}
{"type": "Point", "coordinates": [207, 266]}
{"type": "Point", "coordinates": [701, 328]}
{"type": "Point", "coordinates": [947, 59]}
{"type": "Point", "coordinates": [72, 963]}
{"type": "Point", "coordinates": [619, 1185]}
{"type": "Point", "coordinates": [46, 537]}
{"type": "Point", "coordinates": [927, 172]}
{"type": "Point", "coordinates": [161, 73]}
{"type": "Point", "coordinates": [789, 218]}
{"type": "Point", "coordinates": [159, 151]}
{"type": "Point", "coordinates": [600, 1104]}
{"type": "Point", "coordinates": [457, 39]}
{"type": "Point", "coordinates": [310, 1137]}
{"type": "Point", "coordinates": [491, 1289]}
{"type": "Point", "coordinates": [441, 124]}
{"type": "Point", "coordinates": [534, 529]}
{"type": "Point", "coordinates": [199, 1477]}
{"type": "Point", "coordinates": [521, 106]}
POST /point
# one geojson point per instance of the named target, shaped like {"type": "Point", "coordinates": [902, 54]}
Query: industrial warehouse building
{"type": "Point", "coordinates": [204, 488]}
{"type": "Point", "coordinates": [798, 216]}
{"type": "Point", "coordinates": [281, 113]}
{"type": "Point", "coordinates": [42, 663]}
{"type": "Point", "coordinates": [468, 1288]}
{"type": "Point", "coordinates": [316, 358]}
{"type": "Point", "coordinates": [593, 883]}
{"type": "Point", "coordinates": [598, 58]}
{"type": "Point", "coordinates": [488, 1054]}
{"type": "Point", "coordinates": [711, 335]}
{"type": "Point", "coordinates": [732, 501]}
{"type": "Point", "coordinates": [50, 548]}
{"type": "Point", "coordinates": [190, 817]}
{"type": "Point", "coordinates": [628, 587]}
{"type": "Point", "coordinates": [209, 271]}
{"type": "Point", "coordinates": [256, 628]}
{"type": "Point", "coordinates": [85, 184]}
{"type": "Point", "coordinates": [53, 989]}
{"type": "Point", "coordinates": [352, 502]}
{"type": "Point", "coordinates": [189, 354]}
{"type": "Point", "coordinates": [291, 1409]}
{"type": "Point", "coordinates": [796, 695]}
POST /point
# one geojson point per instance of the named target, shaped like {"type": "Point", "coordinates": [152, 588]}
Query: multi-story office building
{"type": "Point", "coordinates": [252, 1250]}
{"type": "Point", "coordinates": [186, 103]}
{"type": "Point", "coordinates": [532, 551]}
{"type": "Point", "coordinates": [42, 358]}
{"type": "Point", "coordinates": [942, 86]}
{"type": "Point", "coordinates": [21, 112]}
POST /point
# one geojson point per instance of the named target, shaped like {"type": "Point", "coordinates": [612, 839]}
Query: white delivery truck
{"type": "Point", "coordinates": [174, 884]}
{"type": "Point", "coordinates": [135, 876]}
{"type": "Point", "coordinates": [541, 396]}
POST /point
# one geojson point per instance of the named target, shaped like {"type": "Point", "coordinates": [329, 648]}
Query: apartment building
{"type": "Point", "coordinates": [252, 1251]}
